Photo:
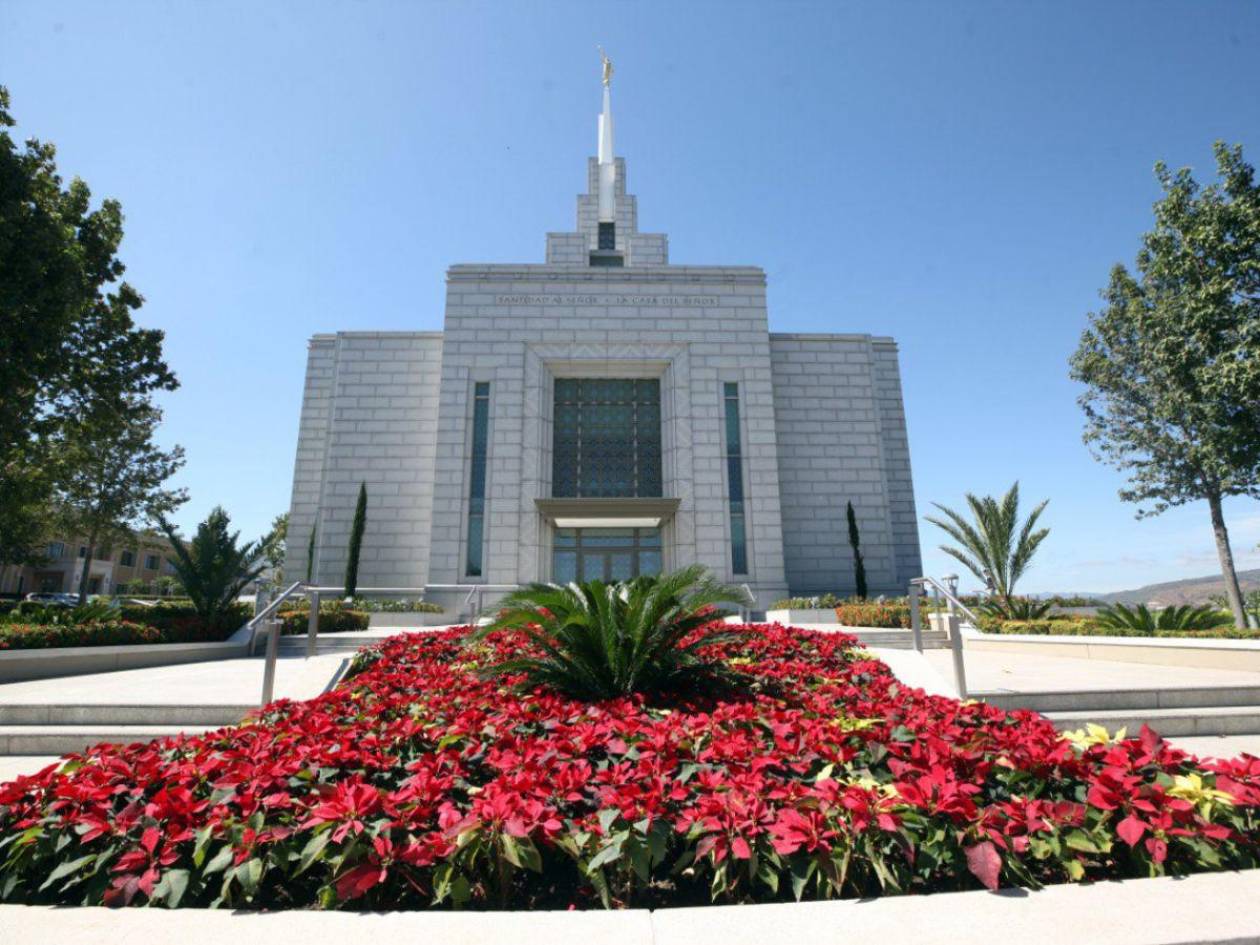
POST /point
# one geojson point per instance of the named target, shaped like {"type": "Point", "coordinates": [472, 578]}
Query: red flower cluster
{"type": "Point", "coordinates": [417, 783]}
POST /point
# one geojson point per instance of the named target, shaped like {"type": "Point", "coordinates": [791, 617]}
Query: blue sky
{"type": "Point", "coordinates": [958, 175]}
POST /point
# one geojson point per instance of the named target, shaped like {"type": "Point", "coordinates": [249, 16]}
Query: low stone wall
{"type": "Point", "coordinates": [17, 665]}
{"type": "Point", "coordinates": [389, 620]}
{"type": "Point", "coordinates": [1166, 651]}
{"type": "Point", "coordinates": [796, 617]}
{"type": "Point", "coordinates": [1207, 909]}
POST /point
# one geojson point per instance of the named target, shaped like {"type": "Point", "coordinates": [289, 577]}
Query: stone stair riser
{"type": "Point", "coordinates": [1130, 699]}
{"type": "Point", "coordinates": [196, 715]}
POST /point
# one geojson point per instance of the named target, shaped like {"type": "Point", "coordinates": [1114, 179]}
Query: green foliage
{"type": "Point", "coordinates": [855, 542]}
{"type": "Point", "coordinates": [1172, 379]}
{"type": "Point", "coordinates": [275, 546]}
{"type": "Point", "coordinates": [113, 474]}
{"type": "Point", "coordinates": [71, 352]}
{"type": "Point", "coordinates": [1087, 627]}
{"type": "Point", "coordinates": [1141, 619]}
{"type": "Point", "coordinates": [995, 547]}
{"type": "Point", "coordinates": [310, 557]}
{"type": "Point", "coordinates": [1016, 608]}
{"type": "Point", "coordinates": [214, 569]}
{"type": "Point", "coordinates": [601, 641]}
{"type": "Point", "coordinates": [892, 615]}
{"type": "Point", "coordinates": [106, 623]}
{"type": "Point", "coordinates": [356, 541]}
{"type": "Point", "coordinates": [394, 605]}
{"type": "Point", "coordinates": [335, 616]}
{"type": "Point", "coordinates": [826, 601]}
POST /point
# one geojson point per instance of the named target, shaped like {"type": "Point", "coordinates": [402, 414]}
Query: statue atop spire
{"type": "Point", "coordinates": [608, 66]}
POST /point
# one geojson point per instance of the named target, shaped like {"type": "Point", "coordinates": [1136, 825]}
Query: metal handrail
{"type": "Point", "coordinates": [955, 636]}
{"type": "Point", "coordinates": [273, 639]}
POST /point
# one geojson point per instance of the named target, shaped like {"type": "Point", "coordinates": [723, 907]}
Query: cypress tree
{"type": "Point", "coordinates": [356, 541]}
{"type": "Point", "coordinates": [310, 556]}
{"type": "Point", "coordinates": [859, 567]}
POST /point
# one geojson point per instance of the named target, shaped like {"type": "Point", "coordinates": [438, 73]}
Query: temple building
{"type": "Point", "coordinates": [604, 414]}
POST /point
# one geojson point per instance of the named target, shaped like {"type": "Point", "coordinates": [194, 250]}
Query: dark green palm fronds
{"type": "Point", "coordinates": [602, 641]}
{"type": "Point", "coordinates": [993, 545]}
{"type": "Point", "coordinates": [1141, 619]}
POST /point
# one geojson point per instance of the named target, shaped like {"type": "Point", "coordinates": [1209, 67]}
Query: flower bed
{"type": "Point", "coordinates": [417, 782]}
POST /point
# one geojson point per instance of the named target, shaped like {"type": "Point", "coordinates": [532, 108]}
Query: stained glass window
{"type": "Point", "coordinates": [735, 480]}
{"type": "Point", "coordinates": [607, 439]}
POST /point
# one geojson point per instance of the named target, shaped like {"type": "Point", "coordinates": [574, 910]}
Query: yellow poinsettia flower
{"type": "Point", "coordinates": [1093, 734]}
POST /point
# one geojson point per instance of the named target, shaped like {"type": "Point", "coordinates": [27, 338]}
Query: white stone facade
{"type": "Point", "coordinates": [820, 418]}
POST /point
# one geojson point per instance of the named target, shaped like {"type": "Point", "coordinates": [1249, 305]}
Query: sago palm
{"type": "Point", "coordinates": [600, 641]}
{"type": "Point", "coordinates": [1141, 619]}
{"type": "Point", "coordinates": [994, 546]}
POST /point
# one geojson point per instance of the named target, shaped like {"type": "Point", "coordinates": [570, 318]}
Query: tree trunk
{"type": "Point", "coordinates": [87, 571]}
{"type": "Point", "coordinates": [1232, 591]}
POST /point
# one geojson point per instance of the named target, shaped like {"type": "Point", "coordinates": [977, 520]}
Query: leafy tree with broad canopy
{"type": "Point", "coordinates": [113, 475]}
{"type": "Point", "coordinates": [67, 338]}
{"type": "Point", "coordinates": [1171, 363]}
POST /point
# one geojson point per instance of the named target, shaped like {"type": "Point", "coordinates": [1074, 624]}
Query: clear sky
{"type": "Point", "coordinates": [958, 175]}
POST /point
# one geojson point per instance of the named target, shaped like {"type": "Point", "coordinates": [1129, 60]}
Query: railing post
{"type": "Point", "coordinates": [269, 671]}
{"type": "Point", "coordinates": [916, 619]}
{"type": "Point", "coordinates": [312, 624]}
{"type": "Point", "coordinates": [953, 624]}
{"type": "Point", "coordinates": [477, 608]}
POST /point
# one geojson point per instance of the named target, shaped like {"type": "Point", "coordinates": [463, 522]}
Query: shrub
{"type": "Point", "coordinates": [24, 636]}
{"type": "Point", "coordinates": [420, 784]}
{"type": "Point", "coordinates": [821, 602]}
{"type": "Point", "coordinates": [389, 605]}
{"type": "Point", "coordinates": [214, 568]}
{"type": "Point", "coordinates": [874, 614]}
{"type": "Point", "coordinates": [335, 616]}
{"type": "Point", "coordinates": [1140, 619]}
{"type": "Point", "coordinates": [601, 641]}
{"type": "Point", "coordinates": [1015, 608]}
{"type": "Point", "coordinates": [1087, 627]}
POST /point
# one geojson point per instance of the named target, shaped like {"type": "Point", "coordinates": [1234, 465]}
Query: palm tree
{"type": "Point", "coordinates": [214, 569]}
{"type": "Point", "coordinates": [995, 547]}
{"type": "Point", "coordinates": [601, 641]}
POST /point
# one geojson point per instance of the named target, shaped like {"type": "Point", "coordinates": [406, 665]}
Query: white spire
{"type": "Point", "coordinates": [607, 163]}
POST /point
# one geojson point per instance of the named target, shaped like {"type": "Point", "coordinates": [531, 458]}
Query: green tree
{"type": "Point", "coordinates": [310, 557]}
{"type": "Point", "coordinates": [114, 476]}
{"type": "Point", "coordinates": [995, 546]}
{"type": "Point", "coordinates": [1170, 363]}
{"type": "Point", "coordinates": [215, 568]}
{"type": "Point", "coordinates": [855, 542]}
{"type": "Point", "coordinates": [275, 549]}
{"type": "Point", "coordinates": [67, 339]}
{"type": "Point", "coordinates": [356, 541]}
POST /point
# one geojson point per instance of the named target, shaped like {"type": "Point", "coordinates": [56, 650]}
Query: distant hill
{"type": "Point", "coordinates": [1190, 591]}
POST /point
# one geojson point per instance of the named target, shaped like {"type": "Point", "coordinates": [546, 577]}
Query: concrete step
{"type": "Point", "coordinates": [1143, 699]}
{"type": "Point", "coordinates": [96, 714]}
{"type": "Point", "coordinates": [1199, 720]}
{"type": "Point", "coordinates": [898, 639]}
{"type": "Point", "coordinates": [296, 646]}
{"type": "Point", "coordinates": [62, 739]}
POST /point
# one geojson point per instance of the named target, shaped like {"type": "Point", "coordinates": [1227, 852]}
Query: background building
{"type": "Point", "coordinates": [605, 414]}
{"type": "Point", "coordinates": [142, 562]}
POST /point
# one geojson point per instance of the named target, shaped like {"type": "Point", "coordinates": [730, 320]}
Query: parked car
{"type": "Point", "coordinates": [54, 599]}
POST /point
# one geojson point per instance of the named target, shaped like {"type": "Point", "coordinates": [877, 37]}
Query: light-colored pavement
{"type": "Point", "coordinates": [220, 682]}
{"type": "Point", "coordinates": [1016, 672]}
{"type": "Point", "coordinates": [1219, 746]}
{"type": "Point", "coordinates": [11, 766]}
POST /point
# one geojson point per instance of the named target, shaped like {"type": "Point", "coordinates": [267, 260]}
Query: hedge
{"type": "Point", "coordinates": [1089, 628]}
{"type": "Point", "coordinates": [893, 616]}
{"type": "Point", "coordinates": [135, 624]}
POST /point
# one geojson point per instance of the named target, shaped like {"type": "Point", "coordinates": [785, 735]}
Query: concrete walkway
{"type": "Point", "coordinates": [221, 682]}
{"type": "Point", "coordinates": [1017, 672]}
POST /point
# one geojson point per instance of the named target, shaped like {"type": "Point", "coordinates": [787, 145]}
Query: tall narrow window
{"type": "Point", "coordinates": [735, 480]}
{"type": "Point", "coordinates": [607, 236]}
{"type": "Point", "coordinates": [477, 478]}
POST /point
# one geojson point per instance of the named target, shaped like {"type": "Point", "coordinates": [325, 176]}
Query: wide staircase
{"type": "Point", "coordinates": [40, 729]}
{"type": "Point", "coordinates": [1216, 710]}
{"type": "Point", "coordinates": [896, 639]}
